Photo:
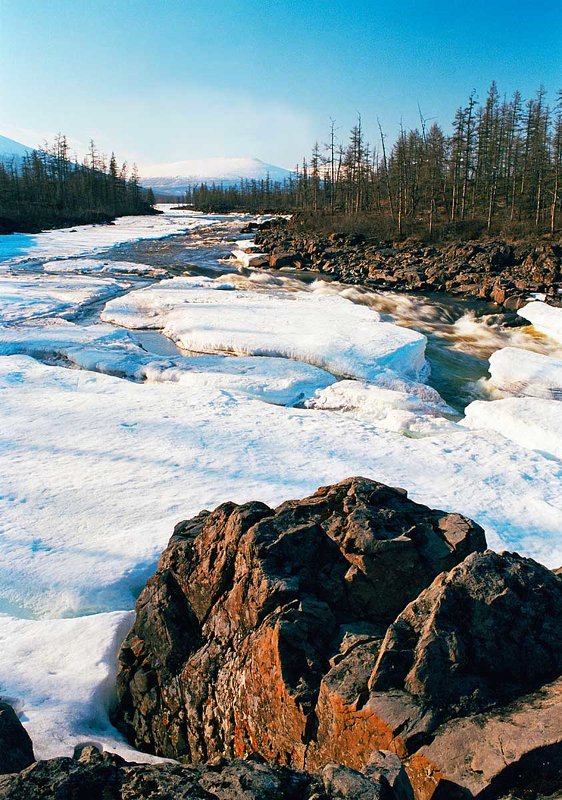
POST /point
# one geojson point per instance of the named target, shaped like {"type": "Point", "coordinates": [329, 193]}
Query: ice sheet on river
{"type": "Point", "coordinates": [544, 318]}
{"type": "Point", "coordinates": [71, 242]}
{"type": "Point", "coordinates": [33, 296]}
{"type": "Point", "coordinates": [532, 422]}
{"type": "Point", "coordinates": [102, 348]}
{"type": "Point", "coordinates": [96, 470]}
{"type": "Point", "coordinates": [88, 265]}
{"type": "Point", "coordinates": [209, 316]}
{"type": "Point", "coordinates": [522, 372]}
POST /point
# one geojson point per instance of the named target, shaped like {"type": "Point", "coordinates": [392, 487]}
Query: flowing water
{"type": "Point", "coordinates": [462, 334]}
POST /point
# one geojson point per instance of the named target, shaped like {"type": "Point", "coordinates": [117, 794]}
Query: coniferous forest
{"type": "Point", "coordinates": [499, 169]}
{"type": "Point", "coordinates": [49, 189]}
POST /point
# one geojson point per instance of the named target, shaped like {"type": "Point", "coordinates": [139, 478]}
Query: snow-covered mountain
{"type": "Point", "coordinates": [12, 152]}
{"type": "Point", "coordinates": [175, 178]}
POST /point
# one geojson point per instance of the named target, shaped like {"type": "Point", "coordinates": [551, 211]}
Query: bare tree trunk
{"type": "Point", "coordinates": [385, 164]}
{"type": "Point", "coordinates": [471, 104]}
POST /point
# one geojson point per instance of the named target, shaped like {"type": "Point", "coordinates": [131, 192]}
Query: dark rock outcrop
{"type": "Point", "coordinates": [92, 775]}
{"type": "Point", "coordinates": [489, 269]}
{"type": "Point", "coordinates": [16, 748]}
{"type": "Point", "coordinates": [484, 633]}
{"type": "Point", "coordinates": [261, 627]}
{"type": "Point", "coordinates": [470, 663]}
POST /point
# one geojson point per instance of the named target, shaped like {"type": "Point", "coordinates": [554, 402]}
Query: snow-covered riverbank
{"type": "Point", "coordinates": [68, 242]}
{"type": "Point", "coordinates": [97, 468]}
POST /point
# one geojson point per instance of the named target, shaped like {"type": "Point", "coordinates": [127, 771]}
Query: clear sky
{"type": "Point", "coordinates": [166, 80]}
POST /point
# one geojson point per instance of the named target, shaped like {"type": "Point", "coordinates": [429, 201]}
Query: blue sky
{"type": "Point", "coordinates": [165, 80]}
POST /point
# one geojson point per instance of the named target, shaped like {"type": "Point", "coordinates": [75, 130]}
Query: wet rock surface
{"type": "Point", "coordinates": [489, 269]}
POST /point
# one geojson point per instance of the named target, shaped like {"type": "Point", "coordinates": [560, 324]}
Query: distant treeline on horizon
{"type": "Point", "coordinates": [499, 170]}
{"type": "Point", "coordinates": [47, 189]}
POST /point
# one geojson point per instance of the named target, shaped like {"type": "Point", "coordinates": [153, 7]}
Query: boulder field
{"type": "Point", "coordinates": [490, 269]}
{"type": "Point", "coordinates": [351, 644]}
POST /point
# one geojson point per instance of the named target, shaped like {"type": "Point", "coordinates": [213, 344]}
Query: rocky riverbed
{"type": "Point", "coordinates": [491, 269]}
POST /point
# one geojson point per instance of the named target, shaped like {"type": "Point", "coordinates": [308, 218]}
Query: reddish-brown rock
{"type": "Point", "coordinates": [254, 612]}
{"type": "Point", "coordinates": [488, 269]}
{"type": "Point", "coordinates": [348, 623]}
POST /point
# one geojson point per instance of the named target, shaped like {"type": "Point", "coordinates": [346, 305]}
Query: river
{"type": "Point", "coordinates": [104, 447]}
{"type": "Point", "coordinates": [461, 334]}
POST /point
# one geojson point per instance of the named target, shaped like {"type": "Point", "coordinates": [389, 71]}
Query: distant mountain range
{"type": "Point", "coordinates": [174, 179]}
{"type": "Point", "coordinates": [12, 152]}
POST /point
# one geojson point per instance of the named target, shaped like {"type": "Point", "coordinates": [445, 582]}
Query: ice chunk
{"type": "Point", "coordinates": [85, 265]}
{"type": "Point", "coordinates": [413, 409]}
{"type": "Point", "coordinates": [250, 259]}
{"type": "Point", "coordinates": [102, 348]}
{"type": "Point", "coordinates": [41, 295]}
{"type": "Point", "coordinates": [329, 332]}
{"type": "Point", "coordinates": [522, 372]}
{"type": "Point", "coordinates": [246, 245]}
{"type": "Point", "coordinates": [532, 422]}
{"type": "Point", "coordinates": [544, 318]}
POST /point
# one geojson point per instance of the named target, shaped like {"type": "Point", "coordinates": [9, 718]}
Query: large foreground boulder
{"type": "Point", "coordinates": [16, 748]}
{"type": "Point", "coordinates": [251, 609]}
{"type": "Point", "coordinates": [356, 635]}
